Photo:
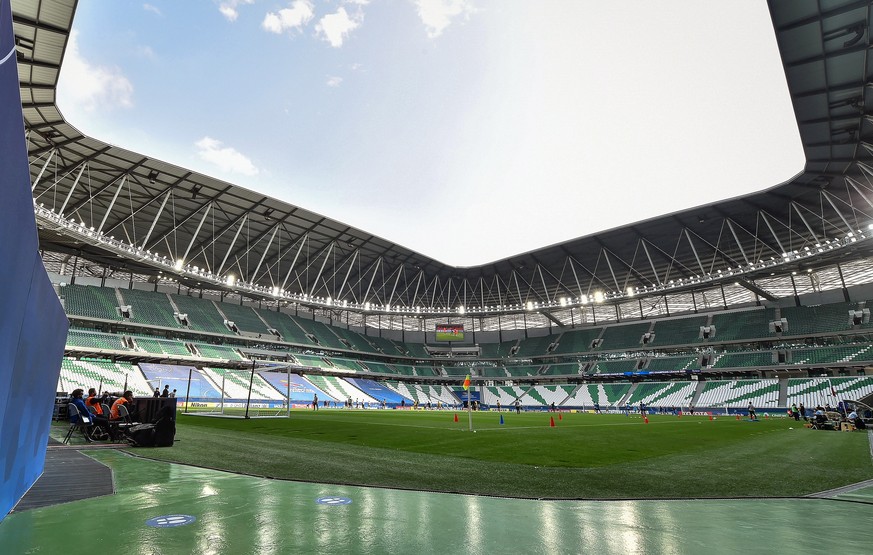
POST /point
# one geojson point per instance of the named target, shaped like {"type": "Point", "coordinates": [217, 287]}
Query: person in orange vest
{"type": "Point", "coordinates": [123, 400]}
{"type": "Point", "coordinates": [92, 402]}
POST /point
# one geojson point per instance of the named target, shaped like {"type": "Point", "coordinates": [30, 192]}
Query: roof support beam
{"type": "Point", "coordinates": [44, 166]}
{"type": "Point", "coordinates": [339, 293]}
{"type": "Point", "coordinates": [694, 250]}
{"type": "Point", "coordinates": [157, 217]}
{"type": "Point", "coordinates": [772, 231]}
{"type": "Point", "coordinates": [651, 264]}
{"type": "Point", "coordinates": [111, 204]}
{"type": "Point", "coordinates": [802, 219]}
{"type": "Point", "coordinates": [320, 270]}
{"type": "Point", "coordinates": [373, 277]}
{"type": "Point", "coordinates": [263, 254]}
{"type": "Point", "coordinates": [303, 241]}
{"type": "Point", "coordinates": [737, 239]}
{"type": "Point", "coordinates": [73, 188]}
{"type": "Point", "coordinates": [196, 233]}
{"type": "Point", "coordinates": [827, 197]}
{"type": "Point", "coordinates": [241, 221]}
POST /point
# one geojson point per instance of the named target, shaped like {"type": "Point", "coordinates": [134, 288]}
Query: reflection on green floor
{"type": "Point", "coordinates": [242, 514]}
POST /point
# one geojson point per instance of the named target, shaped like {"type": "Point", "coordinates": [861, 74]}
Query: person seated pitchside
{"type": "Point", "coordinates": [855, 419]}
{"type": "Point", "coordinates": [123, 400]}
{"type": "Point", "coordinates": [102, 430]}
{"type": "Point", "coordinates": [95, 420]}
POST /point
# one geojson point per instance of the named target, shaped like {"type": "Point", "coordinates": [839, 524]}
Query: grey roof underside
{"type": "Point", "coordinates": [824, 47]}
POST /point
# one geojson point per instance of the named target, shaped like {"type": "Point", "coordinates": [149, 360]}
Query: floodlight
{"type": "Point", "coordinates": [598, 296]}
{"type": "Point", "coordinates": [630, 291]}
{"type": "Point", "coordinates": [179, 264]}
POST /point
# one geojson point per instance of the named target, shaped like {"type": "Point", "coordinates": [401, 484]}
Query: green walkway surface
{"type": "Point", "coordinates": [243, 514]}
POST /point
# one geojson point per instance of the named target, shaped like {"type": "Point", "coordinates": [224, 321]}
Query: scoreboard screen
{"type": "Point", "coordinates": [449, 332]}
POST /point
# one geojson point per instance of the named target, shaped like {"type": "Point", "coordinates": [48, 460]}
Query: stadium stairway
{"type": "Point", "coordinates": [783, 393]}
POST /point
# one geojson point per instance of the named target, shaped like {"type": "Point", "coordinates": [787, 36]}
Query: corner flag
{"type": "Point", "coordinates": [467, 382]}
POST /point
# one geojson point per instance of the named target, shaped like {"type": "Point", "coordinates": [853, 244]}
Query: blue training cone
{"type": "Point", "coordinates": [501, 419]}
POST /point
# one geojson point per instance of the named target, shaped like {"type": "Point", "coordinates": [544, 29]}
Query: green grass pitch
{"type": "Point", "coordinates": [583, 456]}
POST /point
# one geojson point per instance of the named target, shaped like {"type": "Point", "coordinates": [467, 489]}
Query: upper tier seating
{"type": "Point", "coordinates": [628, 336]}
{"type": "Point", "coordinates": [91, 302]}
{"type": "Point", "coordinates": [812, 320]}
{"type": "Point", "coordinates": [202, 315]}
{"type": "Point", "coordinates": [577, 341]}
{"type": "Point", "coordinates": [153, 309]}
{"type": "Point", "coordinates": [287, 327]}
{"type": "Point", "coordinates": [535, 346]}
{"type": "Point", "coordinates": [357, 342]}
{"type": "Point", "coordinates": [244, 318]}
{"type": "Point", "coordinates": [326, 338]}
{"type": "Point", "coordinates": [682, 331]}
{"type": "Point", "coordinates": [496, 350]}
{"type": "Point", "coordinates": [749, 324]}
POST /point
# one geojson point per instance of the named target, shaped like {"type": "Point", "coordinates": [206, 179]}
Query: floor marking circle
{"type": "Point", "coordinates": [333, 500]}
{"type": "Point", "coordinates": [170, 521]}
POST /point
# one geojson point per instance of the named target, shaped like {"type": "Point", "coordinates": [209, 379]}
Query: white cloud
{"type": "Point", "coordinates": [150, 8]}
{"type": "Point", "coordinates": [334, 81]}
{"type": "Point", "coordinates": [228, 8]}
{"type": "Point", "coordinates": [88, 86]}
{"type": "Point", "coordinates": [438, 14]}
{"type": "Point", "coordinates": [294, 17]}
{"type": "Point", "coordinates": [335, 27]}
{"type": "Point", "coordinates": [228, 159]}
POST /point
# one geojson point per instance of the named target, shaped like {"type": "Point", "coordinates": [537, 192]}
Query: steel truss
{"type": "Point", "coordinates": [129, 212]}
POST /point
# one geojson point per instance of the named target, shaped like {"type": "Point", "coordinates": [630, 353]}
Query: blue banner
{"type": "Point", "coordinates": [33, 328]}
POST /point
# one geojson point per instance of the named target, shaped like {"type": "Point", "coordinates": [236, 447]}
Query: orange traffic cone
{"type": "Point", "coordinates": [710, 417]}
{"type": "Point", "coordinates": [560, 416]}
{"type": "Point", "coordinates": [552, 421]}
{"type": "Point", "coordinates": [646, 419]}
{"type": "Point", "coordinates": [456, 417]}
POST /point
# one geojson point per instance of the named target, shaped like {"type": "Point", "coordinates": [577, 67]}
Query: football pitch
{"type": "Point", "coordinates": [584, 456]}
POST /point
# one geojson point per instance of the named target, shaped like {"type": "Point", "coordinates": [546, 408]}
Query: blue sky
{"type": "Point", "coordinates": [519, 123]}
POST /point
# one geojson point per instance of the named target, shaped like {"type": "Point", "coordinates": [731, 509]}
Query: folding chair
{"type": "Point", "coordinates": [124, 421]}
{"type": "Point", "coordinates": [83, 422]}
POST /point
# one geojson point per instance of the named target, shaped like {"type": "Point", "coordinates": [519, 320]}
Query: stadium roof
{"type": "Point", "coordinates": [152, 214]}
